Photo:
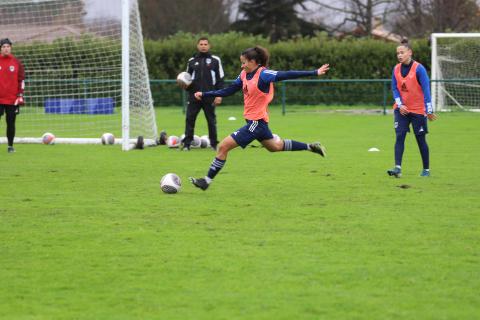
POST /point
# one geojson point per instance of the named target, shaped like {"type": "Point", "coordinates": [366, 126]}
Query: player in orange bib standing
{"type": "Point", "coordinates": [413, 105]}
{"type": "Point", "coordinates": [256, 82]}
{"type": "Point", "coordinates": [12, 77]}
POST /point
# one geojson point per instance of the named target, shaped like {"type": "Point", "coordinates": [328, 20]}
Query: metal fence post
{"type": "Point", "coordinates": [385, 93]}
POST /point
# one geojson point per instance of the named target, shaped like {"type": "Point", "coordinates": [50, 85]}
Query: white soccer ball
{"type": "Point", "coordinates": [108, 138]}
{"type": "Point", "coordinates": [173, 142]}
{"type": "Point", "coordinates": [184, 79]}
{"type": "Point", "coordinates": [170, 183]}
{"type": "Point", "coordinates": [48, 138]}
{"type": "Point", "coordinates": [196, 142]}
{"type": "Point", "coordinates": [204, 141]}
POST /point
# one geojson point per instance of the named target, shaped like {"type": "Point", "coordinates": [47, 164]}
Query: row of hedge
{"type": "Point", "coordinates": [69, 62]}
{"type": "Point", "coordinates": [349, 58]}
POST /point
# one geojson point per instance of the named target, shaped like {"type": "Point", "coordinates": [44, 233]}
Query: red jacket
{"type": "Point", "coordinates": [12, 76]}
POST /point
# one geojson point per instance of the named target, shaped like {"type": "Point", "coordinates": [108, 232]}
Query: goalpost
{"type": "Point", "coordinates": [455, 71]}
{"type": "Point", "coordinates": [85, 69]}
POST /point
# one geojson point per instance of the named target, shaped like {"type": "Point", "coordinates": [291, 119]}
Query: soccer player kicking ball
{"type": "Point", "coordinates": [411, 90]}
{"type": "Point", "coordinates": [256, 82]}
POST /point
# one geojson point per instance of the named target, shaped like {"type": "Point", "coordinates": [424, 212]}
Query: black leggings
{"type": "Point", "coordinates": [10, 116]}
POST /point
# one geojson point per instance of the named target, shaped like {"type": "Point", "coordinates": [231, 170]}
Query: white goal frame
{"type": "Point", "coordinates": [134, 80]}
{"type": "Point", "coordinates": [436, 76]}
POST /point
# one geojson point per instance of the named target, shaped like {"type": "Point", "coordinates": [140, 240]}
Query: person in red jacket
{"type": "Point", "coordinates": [12, 77]}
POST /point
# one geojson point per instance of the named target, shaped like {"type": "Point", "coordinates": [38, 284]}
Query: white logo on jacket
{"type": "Point", "coordinates": [12, 68]}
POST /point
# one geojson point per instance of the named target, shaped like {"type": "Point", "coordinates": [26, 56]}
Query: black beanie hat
{"type": "Point", "coordinates": [5, 41]}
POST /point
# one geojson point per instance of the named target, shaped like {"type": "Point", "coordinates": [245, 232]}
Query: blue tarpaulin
{"type": "Point", "coordinates": [80, 106]}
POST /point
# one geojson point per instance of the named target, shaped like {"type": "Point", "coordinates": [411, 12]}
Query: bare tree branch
{"type": "Point", "coordinates": [418, 18]}
{"type": "Point", "coordinates": [360, 13]}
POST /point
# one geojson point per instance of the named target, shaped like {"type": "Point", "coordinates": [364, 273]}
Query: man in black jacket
{"type": "Point", "coordinates": [207, 74]}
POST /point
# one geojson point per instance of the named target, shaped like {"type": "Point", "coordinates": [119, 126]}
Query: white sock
{"type": "Point", "coordinates": [399, 167]}
{"type": "Point", "coordinates": [208, 180]}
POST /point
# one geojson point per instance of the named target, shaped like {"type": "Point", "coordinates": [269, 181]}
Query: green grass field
{"type": "Point", "coordinates": [86, 233]}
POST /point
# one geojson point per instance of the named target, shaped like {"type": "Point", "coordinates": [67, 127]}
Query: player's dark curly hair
{"type": "Point", "coordinates": [404, 42]}
{"type": "Point", "coordinates": [257, 53]}
{"type": "Point", "coordinates": [5, 41]}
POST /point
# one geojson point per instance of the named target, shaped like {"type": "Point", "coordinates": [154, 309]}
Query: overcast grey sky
{"type": "Point", "coordinates": [103, 8]}
{"type": "Point", "coordinates": [112, 9]}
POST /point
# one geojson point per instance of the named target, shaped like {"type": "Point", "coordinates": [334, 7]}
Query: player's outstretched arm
{"type": "Point", "coordinates": [268, 76]}
{"type": "Point", "coordinates": [323, 69]}
{"type": "Point", "coordinates": [225, 92]}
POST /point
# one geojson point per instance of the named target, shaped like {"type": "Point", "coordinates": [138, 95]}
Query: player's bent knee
{"type": "Point", "coordinates": [280, 145]}
{"type": "Point", "coordinates": [222, 149]}
{"type": "Point", "coordinates": [278, 148]}
{"type": "Point", "coordinates": [273, 146]}
{"type": "Point", "coordinates": [225, 146]}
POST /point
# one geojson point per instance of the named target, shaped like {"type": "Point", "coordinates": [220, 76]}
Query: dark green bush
{"type": "Point", "coordinates": [349, 59]}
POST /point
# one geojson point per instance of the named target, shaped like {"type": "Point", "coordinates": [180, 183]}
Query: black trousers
{"type": "Point", "coordinates": [11, 114]}
{"type": "Point", "coordinates": [193, 108]}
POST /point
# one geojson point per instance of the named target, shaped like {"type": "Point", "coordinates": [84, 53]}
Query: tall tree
{"type": "Point", "coordinates": [161, 18]}
{"type": "Point", "coordinates": [276, 19]}
{"type": "Point", "coordinates": [417, 18]}
{"type": "Point", "coordinates": [455, 15]}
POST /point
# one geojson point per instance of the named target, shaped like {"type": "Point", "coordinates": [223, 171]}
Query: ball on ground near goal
{"type": "Point", "coordinates": [173, 142]}
{"type": "Point", "coordinates": [196, 142]}
{"type": "Point", "coordinates": [204, 142]}
{"type": "Point", "coordinates": [108, 138]}
{"type": "Point", "coordinates": [48, 138]}
{"type": "Point", "coordinates": [184, 79]}
{"type": "Point", "coordinates": [170, 183]}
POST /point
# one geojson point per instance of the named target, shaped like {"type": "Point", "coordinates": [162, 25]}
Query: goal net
{"type": "Point", "coordinates": [456, 71]}
{"type": "Point", "coordinates": [85, 70]}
